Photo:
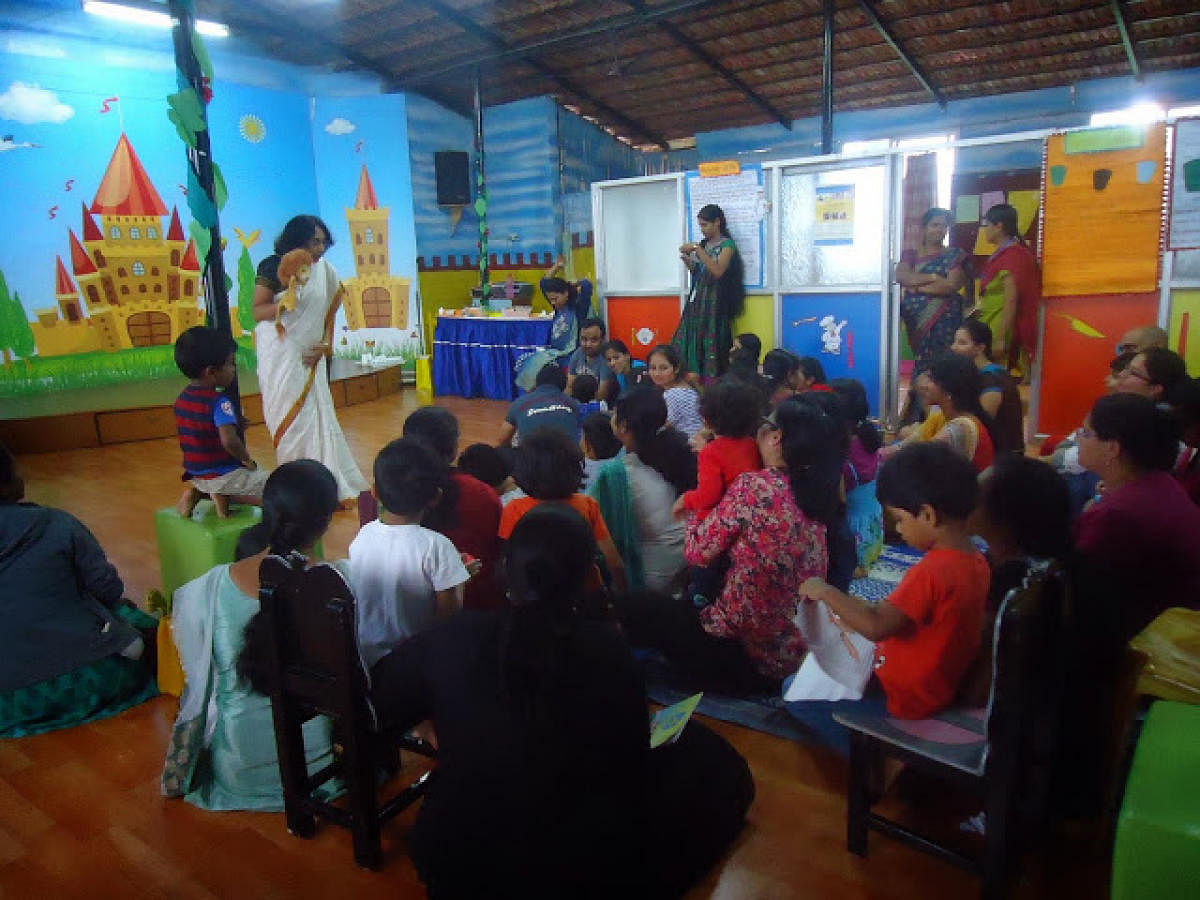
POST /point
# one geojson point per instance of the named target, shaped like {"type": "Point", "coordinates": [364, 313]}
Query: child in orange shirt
{"type": "Point", "coordinates": [928, 630]}
{"type": "Point", "coordinates": [548, 467]}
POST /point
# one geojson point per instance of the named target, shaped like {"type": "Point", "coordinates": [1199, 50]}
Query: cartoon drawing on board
{"type": "Point", "coordinates": [831, 335]}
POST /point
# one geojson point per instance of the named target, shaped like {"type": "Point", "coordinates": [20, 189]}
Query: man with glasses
{"type": "Point", "coordinates": [1142, 338]}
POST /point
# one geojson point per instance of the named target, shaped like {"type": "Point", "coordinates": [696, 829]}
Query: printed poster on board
{"type": "Point", "coordinates": [834, 215]}
{"type": "Point", "coordinates": [1184, 233]}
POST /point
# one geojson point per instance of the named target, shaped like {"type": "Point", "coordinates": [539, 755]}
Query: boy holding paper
{"type": "Point", "coordinates": [928, 629]}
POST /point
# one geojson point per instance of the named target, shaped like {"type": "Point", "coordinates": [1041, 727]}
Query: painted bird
{"type": "Point", "coordinates": [248, 240]}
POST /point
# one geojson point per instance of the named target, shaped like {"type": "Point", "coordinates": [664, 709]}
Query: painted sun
{"type": "Point", "coordinates": [252, 128]}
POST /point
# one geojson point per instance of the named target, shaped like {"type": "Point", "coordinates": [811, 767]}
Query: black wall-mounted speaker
{"type": "Point", "coordinates": [453, 171]}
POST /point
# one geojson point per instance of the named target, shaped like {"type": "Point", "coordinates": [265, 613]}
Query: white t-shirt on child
{"type": "Point", "coordinates": [395, 571]}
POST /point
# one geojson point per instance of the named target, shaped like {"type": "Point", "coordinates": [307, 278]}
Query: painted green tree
{"type": "Point", "coordinates": [7, 331]}
{"type": "Point", "coordinates": [20, 334]}
{"type": "Point", "coordinates": [245, 295]}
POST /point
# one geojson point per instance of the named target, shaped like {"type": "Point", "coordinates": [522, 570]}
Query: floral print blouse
{"type": "Point", "coordinates": [772, 547]}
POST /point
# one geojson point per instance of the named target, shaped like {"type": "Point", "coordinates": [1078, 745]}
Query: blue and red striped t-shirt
{"type": "Point", "coordinates": [199, 412]}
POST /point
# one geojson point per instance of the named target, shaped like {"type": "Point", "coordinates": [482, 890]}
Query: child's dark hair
{"type": "Point", "coordinates": [437, 427]}
{"type": "Point", "coordinates": [584, 387]}
{"type": "Point", "coordinates": [731, 407]}
{"type": "Point", "coordinates": [811, 368]}
{"type": "Point", "coordinates": [548, 465]}
{"type": "Point", "coordinates": [1029, 501]}
{"type": "Point", "coordinates": [593, 323]}
{"type": "Point", "coordinates": [597, 431]}
{"type": "Point", "coordinates": [778, 366]}
{"type": "Point", "coordinates": [928, 473]}
{"type": "Point", "coordinates": [1147, 435]}
{"type": "Point", "coordinates": [409, 476]}
{"type": "Point", "coordinates": [751, 345]}
{"type": "Point", "coordinates": [1166, 369]}
{"type": "Point", "coordinates": [250, 542]}
{"type": "Point", "coordinates": [299, 231]}
{"type": "Point", "coordinates": [560, 286]}
{"type": "Point", "coordinates": [674, 358]}
{"type": "Point", "coordinates": [201, 347]}
{"type": "Point", "coordinates": [615, 344]}
{"type": "Point", "coordinates": [485, 462]}
{"type": "Point", "coordinates": [980, 333]}
{"type": "Point", "coordinates": [551, 373]}
{"type": "Point", "coordinates": [856, 412]}
{"type": "Point", "coordinates": [643, 411]}
{"type": "Point", "coordinates": [959, 378]}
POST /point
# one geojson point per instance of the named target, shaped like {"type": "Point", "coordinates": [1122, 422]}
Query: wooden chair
{"type": "Point", "coordinates": [313, 668]}
{"type": "Point", "coordinates": [1005, 750]}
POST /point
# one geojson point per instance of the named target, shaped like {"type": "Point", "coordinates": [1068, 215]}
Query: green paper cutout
{"type": "Point", "coordinates": [202, 238]}
{"type": "Point", "coordinates": [201, 205]}
{"type": "Point", "coordinates": [219, 187]}
{"type": "Point", "coordinates": [188, 137]}
{"type": "Point", "coordinates": [1058, 174]}
{"type": "Point", "coordinates": [202, 58]}
{"type": "Point", "coordinates": [245, 296]}
{"type": "Point", "coordinates": [1100, 140]}
{"type": "Point", "coordinates": [187, 114]}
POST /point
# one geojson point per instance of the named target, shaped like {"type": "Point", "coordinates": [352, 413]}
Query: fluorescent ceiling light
{"type": "Point", "coordinates": [1138, 114]}
{"type": "Point", "coordinates": [138, 15]}
{"type": "Point", "coordinates": [1182, 112]}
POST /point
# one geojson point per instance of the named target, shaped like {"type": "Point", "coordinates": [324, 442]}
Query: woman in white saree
{"type": "Point", "coordinates": [293, 346]}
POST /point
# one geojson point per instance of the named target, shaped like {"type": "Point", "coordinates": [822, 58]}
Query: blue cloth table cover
{"type": "Point", "coordinates": [474, 357]}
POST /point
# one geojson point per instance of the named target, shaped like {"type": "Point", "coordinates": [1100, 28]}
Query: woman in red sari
{"type": "Point", "coordinates": [1010, 288]}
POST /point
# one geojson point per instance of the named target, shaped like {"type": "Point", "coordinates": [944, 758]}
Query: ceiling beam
{"type": "Point", "coordinates": [894, 43]}
{"type": "Point", "coordinates": [1118, 12]}
{"type": "Point", "coordinates": [501, 46]}
{"type": "Point", "coordinates": [522, 51]}
{"type": "Point", "coordinates": [721, 69]}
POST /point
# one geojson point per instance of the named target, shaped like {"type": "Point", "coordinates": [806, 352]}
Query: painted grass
{"type": "Point", "coordinates": [407, 352]}
{"type": "Point", "coordinates": [39, 375]}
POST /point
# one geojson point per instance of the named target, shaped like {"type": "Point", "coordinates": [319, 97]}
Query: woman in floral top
{"type": "Point", "coordinates": [771, 524]}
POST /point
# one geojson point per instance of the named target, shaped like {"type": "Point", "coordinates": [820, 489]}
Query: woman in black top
{"type": "Point", "coordinates": [546, 786]}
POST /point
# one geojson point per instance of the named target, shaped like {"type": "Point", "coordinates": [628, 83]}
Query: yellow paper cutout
{"type": "Point", "coordinates": [1081, 326]}
{"type": "Point", "coordinates": [1026, 205]}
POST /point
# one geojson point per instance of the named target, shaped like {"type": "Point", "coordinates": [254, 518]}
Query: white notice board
{"type": "Point", "coordinates": [1184, 230]}
{"type": "Point", "coordinates": [743, 200]}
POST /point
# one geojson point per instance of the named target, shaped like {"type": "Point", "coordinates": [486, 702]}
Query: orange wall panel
{"type": "Point", "coordinates": [643, 322]}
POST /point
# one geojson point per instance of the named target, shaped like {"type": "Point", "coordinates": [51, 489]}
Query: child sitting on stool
{"type": "Point", "coordinates": [215, 457]}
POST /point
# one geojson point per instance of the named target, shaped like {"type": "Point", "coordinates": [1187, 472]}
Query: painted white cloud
{"type": "Point", "coordinates": [30, 104]}
{"type": "Point", "coordinates": [340, 126]}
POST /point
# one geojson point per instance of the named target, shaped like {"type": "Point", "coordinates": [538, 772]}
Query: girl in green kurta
{"type": "Point", "coordinates": [716, 298]}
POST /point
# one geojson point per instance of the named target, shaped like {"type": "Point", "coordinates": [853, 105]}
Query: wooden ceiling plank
{"type": "Point", "coordinates": [894, 43]}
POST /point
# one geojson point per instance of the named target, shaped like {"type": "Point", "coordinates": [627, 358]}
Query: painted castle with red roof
{"type": "Point", "coordinates": [139, 285]}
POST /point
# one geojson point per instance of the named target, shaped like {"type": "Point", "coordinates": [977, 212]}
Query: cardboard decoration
{"type": "Point", "coordinates": [1103, 215]}
{"type": "Point", "coordinates": [841, 330]}
{"type": "Point", "coordinates": [1079, 341]}
{"type": "Point", "coordinates": [1184, 328]}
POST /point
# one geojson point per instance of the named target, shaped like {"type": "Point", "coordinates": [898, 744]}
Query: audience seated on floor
{"type": "Point", "coordinates": [928, 630]}
{"type": "Point", "coordinates": [492, 466]}
{"type": "Point", "coordinates": [71, 649]}
{"type": "Point", "coordinates": [546, 406]}
{"type": "Point", "coordinates": [598, 444]}
{"type": "Point", "coordinates": [546, 784]}
{"type": "Point", "coordinates": [772, 525]}
{"type": "Point", "coordinates": [864, 515]}
{"type": "Point", "coordinates": [637, 488]}
{"type": "Point", "coordinates": [954, 384]}
{"type": "Point", "coordinates": [221, 753]}
{"type": "Point", "coordinates": [548, 467]}
{"type": "Point", "coordinates": [405, 576]}
{"type": "Point", "coordinates": [468, 512]}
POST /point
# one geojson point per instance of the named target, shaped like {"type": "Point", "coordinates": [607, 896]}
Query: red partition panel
{"type": "Point", "coordinates": [643, 322]}
{"type": "Point", "coordinates": [1080, 341]}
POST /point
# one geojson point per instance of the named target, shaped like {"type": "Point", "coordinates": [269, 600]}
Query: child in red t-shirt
{"type": "Point", "coordinates": [732, 412]}
{"type": "Point", "coordinates": [928, 629]}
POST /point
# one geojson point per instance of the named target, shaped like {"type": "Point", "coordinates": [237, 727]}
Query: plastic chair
{"type": "Point", "coordinates": [313, 667]}
{"type": "Point", "coordinates": [1005, 750]}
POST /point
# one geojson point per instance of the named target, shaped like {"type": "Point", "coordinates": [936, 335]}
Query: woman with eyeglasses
{"type": "Point", "coordinates": [1144, 531]}
{"type": "Point", "coordinates": [1155, 373]}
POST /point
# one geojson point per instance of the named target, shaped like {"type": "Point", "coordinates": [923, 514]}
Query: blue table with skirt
{"type": "Point", "coordinates": [474, 357]}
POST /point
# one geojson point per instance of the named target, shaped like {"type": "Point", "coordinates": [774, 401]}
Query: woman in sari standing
{"type": "Point", "coordinates": [717, 296]}
{"type": "Point", "coordinates": [1010, 288]}
{"type": "Point", "coordinates": [932, 276]}
{"type": "Point", "coordinates": [292, 354]}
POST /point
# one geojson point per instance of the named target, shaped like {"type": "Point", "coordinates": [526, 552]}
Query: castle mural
{"type": "Point", "coordinates": [139, 284]}
{"type": "Point", "coordinates": [374, 298]}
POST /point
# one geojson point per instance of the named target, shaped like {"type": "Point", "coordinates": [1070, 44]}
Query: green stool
{"type": "Point", "coordinates": [1157, 851]}
{"type": "Point", "coordinates": [187, 548]}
